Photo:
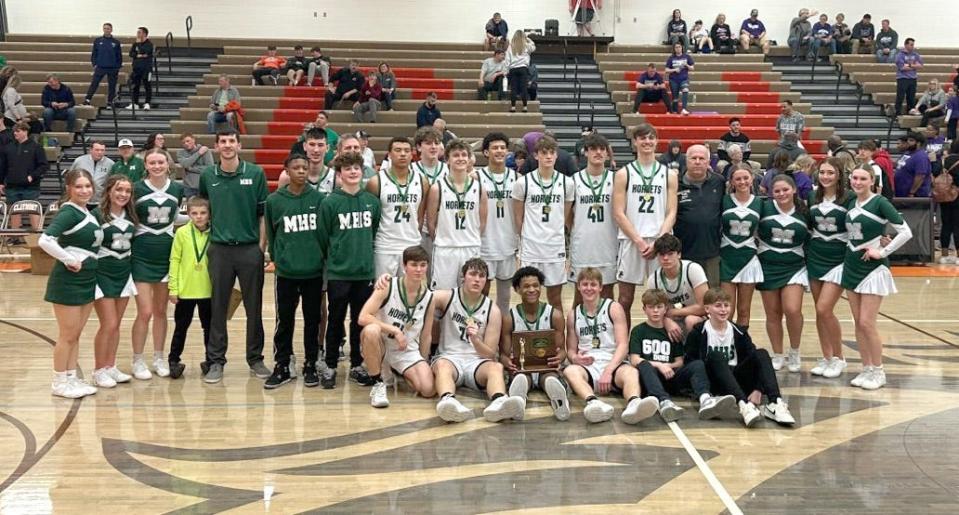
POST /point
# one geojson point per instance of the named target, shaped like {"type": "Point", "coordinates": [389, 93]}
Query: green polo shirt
{"type": "Point", "coordinates": [236, 202]}
{"type": "Point", "coordinates": [134, 169]}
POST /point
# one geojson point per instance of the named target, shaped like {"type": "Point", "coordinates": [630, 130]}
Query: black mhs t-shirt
{"type": "Point", "coordinates": [653, 344]}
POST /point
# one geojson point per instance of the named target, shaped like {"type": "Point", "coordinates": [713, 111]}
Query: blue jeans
{"type": "Point", "coordinates": [215, 117]}
{"type": "Point", "coordinates": [69, 114]}
{"type": "Point", "coordinates": [891, 58]}
{"type": "Point", "coordinates": [680, 91]}
{"type": "Point", "coordinates": [817, 43]}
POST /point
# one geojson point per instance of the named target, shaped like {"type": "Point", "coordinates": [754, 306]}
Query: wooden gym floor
{"type": "Point", "coordinates": [184, 446]}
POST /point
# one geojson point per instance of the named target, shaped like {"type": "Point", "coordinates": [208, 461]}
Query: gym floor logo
{"type": "Point", "coordinates": [492, 468]}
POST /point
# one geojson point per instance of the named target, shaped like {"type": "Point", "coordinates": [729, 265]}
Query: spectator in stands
{"type": "Point", "coordinates": [790, 120]}
{"type": "Point", "coordinates": [156, 141]}
{"type": "Point", "coordinates": [752, 32]}
{"type": "Point", "coordinates": [678, 66]}
{"type": "Point", "coordinates": [497, 31]}
{"type": "Point", "coordinates": [822, 36]}
{"type": "Point", "coordinates": [368, 102]}
{"type": "Point", "coordinates": [776, 164]}
{"type": "Point", "coordinates": [565, 162]}
{"type": "Point", "coordinates": [950, 210]}
{"type": "Point", "coordinates": [296, 66]}
{"type": "Point", "coordinates": [533, 85]}
{"type": "Point", "coordinates": [864, 35]}
{"type": "Point", "coordinates": [348, 81]}
{"type": "Point", "coordinates": [448, 135]}
{"type": "Point", "coordinates": [932, 104]}
{"type": "Point", "coordinates": [58, 104]}
{"type": "Point", "coordinates": [908, 62]}
{"type": "Point", "coordinates": [318, 61]}
{"type": "Point", "coordinates": [865, 156]}
{"type": "Point", "coordinates": [387, 80]}
{"type": "Point", "coordinates": [842, 35]}
{"type": "Point", "coordinates": [491, 77]}
{"type": "Point", "coordinates": [14, 110]}
{"type": "Point", "coordinates": [913, 173]}
{"type": "Point", "coordinates": [699, 38]}
{"type": "Point", "coordinates": [142, 54]}
{"type": "Point", "coordinates": [737, 162]}
{"type": "Point", "coordinates": [699, 212]}
{"type": "Point", "coordinates": [193, 158]}
{"type": "Point", "coordinates": [22, 165]}
{"type": "Point", "coordinates": [98, 165]}
{"type": "Point", "coordinates": [722, 36]}
{"type": "Point", "coordinates": [935, 144]}
{"type": "Point", "coordinates": [332, 138]}
{"type": "Point", "coordinates": [788, 146]}
{"type": "Point", "coordinates": [129, 164]}
{"type": "Point", "coordinates": [887, 43]}
{"type": "Point", "coordinates": [106, 58]}
{"type": "Point", "coordinates": [802, 172]}
{"type": "Point", "coordinates": [676, 30]}
{"type": "Point", "coordinates": [517, 160]}
{"type": "Point", "coordinates": [838, 149]}
{"type": "Point", "coordinates": [428, 112]}
{"type": "Point", "coordinates": [222, 96]}
{"type": "Point", "coordinates": [268, 65]}
{"type": "Point", "coordinates": [800, 33]}
{"type": "Point", "coordinates": [734, 138]}
{"type": "Point", "coordinates": [674, 157]}
{"type": "Point", "coordinates": [518, 61]}
{"type": "Point", "coordinates": [369, 159]}
{"type": "Point", "coordinates": [584, 15]}
{"type": "Point", "coordinates": [5, 73]}
{"type": "Point", "coordinates": [952, 113]}
{"type": "Point", "coordinates": [650, 89]}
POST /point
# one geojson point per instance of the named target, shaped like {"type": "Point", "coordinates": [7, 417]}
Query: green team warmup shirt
{"type": "Point", "coordinates": [347, 227]}
{"type": "Point", "coordinates": [653, 344]}
{"type": "Point", "coordinates": [135, 169]}
{"type": "Point", "coordinates": [236, 202]}
{"type": "Point", "coordinates": [291, 230]}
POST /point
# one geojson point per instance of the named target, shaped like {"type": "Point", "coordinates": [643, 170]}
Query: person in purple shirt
{"type": "Point", "coordinates": [821, 36]}
{"type": "Point", "coordinates": [753, 32]}
{"type": "Point", "coordinates": [935, 144]}
{"type": "Point", "coordinates": [914, 172]}
{"type": "Point", "coordinates": [650, 88]}
{"type": "Point", "coordinates": [952, 114]}
{"type": "Point", "coordinates": [908, 61]}
{"type": "Point", "coordinates": [678, 66]}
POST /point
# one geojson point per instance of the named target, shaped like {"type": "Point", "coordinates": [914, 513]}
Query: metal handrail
{"type": "Point", "coordinates": [189, 42]}
{"type": "Point", "coordinates": [116, 125]}
{"type": "Point", "coordinates": [815, 60]}
{"type": "Point", "coordinates": [169, 52]}
{"type": "Point", "coordinates": [859, 92]}
{"type": "Point", "coordinates": [565, 56]}
{"type": "Point", "coordinates": [838, 79]}
{"type": "Point", "coordinates": [892, 121]}
{"type": "Point", "coordinates": [592, 114]}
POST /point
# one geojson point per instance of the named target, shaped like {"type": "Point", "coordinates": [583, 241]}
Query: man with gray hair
{"type": "Point", "coordinates": [99, 166]}
{"type": "Point", "coordinates": [222, 96]}
{"type": "Point", "coordinates": [699, 213]}
{"type": "Point", "coordinates": [800, 32]}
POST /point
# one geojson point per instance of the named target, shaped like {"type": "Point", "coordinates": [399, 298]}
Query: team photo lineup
{"type": "Point", "coordinates": [414, 249]}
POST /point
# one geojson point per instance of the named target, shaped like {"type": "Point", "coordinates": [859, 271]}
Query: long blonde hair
{"type": "Point", "coordinates": [518, 43]}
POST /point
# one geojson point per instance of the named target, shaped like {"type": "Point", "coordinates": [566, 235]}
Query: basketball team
{"type": "Point", "coordinates": [414, 248]}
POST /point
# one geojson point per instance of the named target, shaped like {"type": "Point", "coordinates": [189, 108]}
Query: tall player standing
{"type": "Point", "coordinates": [499, 243]}
{"type": "Point", "coordinates": [593, 239]}
{"type": "Point", "coordinates": [428, 142]}
{"type": "Point", "coordinates": [644, 208]}
{"type": "Point", "coordinates": [321, 177]}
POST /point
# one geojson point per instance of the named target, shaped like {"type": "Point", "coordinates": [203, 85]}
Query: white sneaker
{"type": "Point", "coordinates": [118, 375]}
{"type": "Point", "coordinates": [820, 367]}
{"type": "Point", "coordinates": [129, 107]}
{"type": "Point", "coordinates": [62, 387]}
{"type": "Point", "coordinates": [505, 407]}
{"type": "Point", "coordinates": [778, 361]}
{"type": "Point", "coordinates": [684, 112]}
{"type": "Point", "coordinates": [558, 398]}
{"type": "Point", "coordinates": [597, 411]}
{"type": "Point", "coordinates": [749, 413]}
{"type": "Point", "coordinates": [102, 378]}
{"type": "Point", "coordinates": [639, 409]}
{"type": "Point", "coordinates": [793, 361]}
{"type": "Point", "coordinates": [81, 385]}
{"type": "Point", "coordinates": [517, 405]}
{"type": "Point", "coordinates": [835, 368]}
{"type": "Point", "coordinates": [718, 407]}
{"type": "Point", "coordinates": [451, 410]}
{"type": "Point", "coordinates": [161, 367]}
{"type": "Point", "coordinates": [146, 107]}
{"type": "Point", "coordinates": [875, 380]}
{"type": "Point", "coordinates": [778, 412]}
{"type": "Point", "coordinates": [520, 386]}
{"type": "Point", "coordinates": [378, 398]}
{"type": "Point", "coordinates": [857, 381]}
{"type": "Point", "coordinates": [670, 411]}
{"type": "Point", "coordinates": [140, 370]}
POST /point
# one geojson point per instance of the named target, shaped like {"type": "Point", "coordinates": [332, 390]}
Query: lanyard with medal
{"type": "Point", "coordinates": [410, 308]}
{"type": "Point", "coordinates": [547, 193]}
{"type": "Point", "coordinates": [431, 176]}
{"type": "Point", "coordinates": [403, 190]}
{"type": "Point", "coordinates": [594, 328]}
{"type": "Point", "coordinates": [596, 189]}
{"type": "Point", "coordinates": [498, 192]}
{"type": "Point", "coordinates": [460, 196]}
{"type": "Point", "coordinates": [198, 252]}
{"type": "Point", "coordinates": [645, 180]}
{"type": "Point", "coordinates": [535, 324]}
{"type": "Point", "coordinates": [665, 284]}
{"type": "Point", "coordinates": [470, 319]}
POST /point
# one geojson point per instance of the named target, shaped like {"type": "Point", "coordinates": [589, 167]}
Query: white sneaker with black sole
{"type": "Point", "coordinates": [558, 398]}
{"type": "Point", "coordinates": [639, 410]}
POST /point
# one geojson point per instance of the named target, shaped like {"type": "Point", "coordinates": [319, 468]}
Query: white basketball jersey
{"type": "Point", "coordinates": [453, 339]}
{"type": "Point", "coordinates": [409, 319]}
{"type": "Point", "coordinates": [646, 198]}
{"type": "Point", "coordinates": [434, 174]}
{"type": "Point", "coordinates": [596, 337]}
{"type": "Point", "coordinates": [399, 225]}
{"type": "Point", "coordinates": [543, 238]}
{"type": "Point", "coordinates": [593, 240]}
{"type": "Point", "coordinates": [543, 322]}
{"type": "Point", "coordinates": [458, 221]}
{"type": "Point", "coordinates": [325, 183]}
{"type": "Point", "coordinates": [680, 290]}
{"type": "Point", "coordinates": [499, 239]}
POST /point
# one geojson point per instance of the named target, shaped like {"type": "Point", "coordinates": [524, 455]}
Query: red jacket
{"type": "Point", "coordinates": [884, 160]}
{"type": "Point", "coordinates": [367, 92]}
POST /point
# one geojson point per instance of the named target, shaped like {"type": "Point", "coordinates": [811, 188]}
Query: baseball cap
{"type": "Point", "coordinates": [125, 143]}
{"type": "Point", "coordinates": [362, 134]}
{"type": "Point", "coordinates": [754, 12]}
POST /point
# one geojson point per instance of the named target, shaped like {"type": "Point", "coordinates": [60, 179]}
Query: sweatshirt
{"type": "Point", "coordinates": [50, 95]}
{"type": "Point", "coordinates": [145, 48]}
{"type": "Point", "coordinates": [697, 343]}
{"type": "Point", "coordinates": [21, 160]}
{"type": "Point", "coordinates": [347, 227]}
{"type": "Point", "coordinates": [106, 53]}
{"type": "Point", "coordinates": [291, 231]}
{"type": "Point", "coordinates": [186, 282]}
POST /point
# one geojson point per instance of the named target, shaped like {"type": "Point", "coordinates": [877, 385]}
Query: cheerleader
{"type": "Point", "coordinates": [739, 268]}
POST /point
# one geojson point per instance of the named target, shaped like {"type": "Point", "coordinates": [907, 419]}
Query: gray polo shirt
{"type": "Point", "coordinates": [99, 170]}
{"type": "Point", "coordinates": [699, 216]}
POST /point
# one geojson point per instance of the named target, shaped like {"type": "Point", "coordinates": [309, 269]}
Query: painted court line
{"type": "Point", "coordinates": [707, 472]}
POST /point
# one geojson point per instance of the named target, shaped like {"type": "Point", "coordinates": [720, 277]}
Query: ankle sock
{"type": "Point", "coordinates": [496, 396]}
{"type": "Point", "coordinates": [590, 399]}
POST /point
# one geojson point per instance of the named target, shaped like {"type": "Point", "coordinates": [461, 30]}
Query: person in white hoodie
{"type": "Point", "coordinates": [518, 57]}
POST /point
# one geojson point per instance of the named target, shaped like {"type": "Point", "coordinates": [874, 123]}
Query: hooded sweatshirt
{"type": "Point", "coordinates": [291, 231]}
{"type": "Point", "coordinates": [347, 227]}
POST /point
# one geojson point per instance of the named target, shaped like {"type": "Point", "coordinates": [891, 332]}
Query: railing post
{"type": "Point", "coordinates": [838, 79]}
{"type": "Point", "coordinates": [859, 92]}
{"type": "Point", "coordinates": [169, 52]}
{"type": "Point", "coordinates": [189, 41]}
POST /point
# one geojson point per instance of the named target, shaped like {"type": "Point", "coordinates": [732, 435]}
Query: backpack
{"type": "Point", "coordinates": [944, 189]}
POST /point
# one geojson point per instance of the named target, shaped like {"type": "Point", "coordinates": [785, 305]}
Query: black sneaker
{"type": "Point", "coordinates": [310, 377]}
{"type": "Point", "coordinates": [280, 376]}
{"type": "Point", "coordinates": [204, 367]}
{"type": "Point", "coordinates": [360, 376]}
{"type": "Point", "coordinates": [328, 379]}
{"type": "Point", "coordinates": [176, 370]}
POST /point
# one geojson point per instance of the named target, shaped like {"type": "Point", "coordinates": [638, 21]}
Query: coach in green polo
{"type": "Point", "coordinates": [237, 193]}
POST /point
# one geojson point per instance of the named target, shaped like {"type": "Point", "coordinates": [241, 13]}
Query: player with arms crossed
{"type": "Point", "coordinates": [593, 240]}
{"type": "Point", "coordinates": [499, 244]}
{"type": "Point", "coordinates": [402, 194]}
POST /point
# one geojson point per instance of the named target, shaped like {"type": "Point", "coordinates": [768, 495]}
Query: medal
{"type": "Point", "coordinates": [547, 192]}
{"type": "Point", "coordinates": [461, 213]}
{"type": "Point", "coordinates": [645, 180]}
{"type": "Point", "coordinates": [198, 253]}
{"type": "Point", "coordinates": [408, 325]}
{"type": "Point", "coordinates": [499, 204]}
{"type": "Point", "coordinates": [460, 196]}
{"type": "Point", "coordinates": [404, 208]}
{"type": "Point", "coordinates": [592, 322]}
{"type": "Point", "coordinates": [410, 308]}
{"type": "Point", "coordinates": [597, 207]}
{"type": "Point", "coordinates": [647, 197]}
{"type": "Point", "coordinates": [596, 342]}
{"type": "Point", "coordinates": [198, 267]}
{"type": "Point", "coordinates": [596, 189]}
{"type": "Point", "coordinates": [470, 322]}
{"type": "Point", "coordinates": [402, 189]}
{"type": "Point", "coordinates": [546, 209]}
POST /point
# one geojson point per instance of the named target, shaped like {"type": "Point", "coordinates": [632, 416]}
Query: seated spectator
{"type": "Point", "coordinates": [932, 104]}
{"type": "Point", "coordinates": [193, 158]}
{"type": "Point", "coordinates": [156, 141]}
{"type": "Point", "coordinates": [368, 102]}
{"type": "Point", "coordinates": [842, 35]}
{"type": "Point", "coordinates": [752, 32]}
{"type": "Point", "coordinates": [722, 36]}
{"type": "Point", "coordinates": [734, 138]}
{"type": "Point", "coordinates": [864, 35]}
{"type": "Point", "coordinates": [387, 80]}
{"type": "Point", "coordinates": [651, 89]}
{"type": "Point", "coordinates": [887, 44]}
{"type": "Point", "coordinates": [674, 157]}
{"type": "Point", "coordinates": [448, 136]}
{"type": "Point", "coordinates": [838, 149]}
{"type": "Point", "coordinates": [129, 165]}
{"type": "Point", "coordinates": [821, 37]}
{"type": "Point", "coordinates": [13, 109]}
{"type": "Point", "coordinates": [496, 33]}
{"type": "Point", "coordinates": [790, 120]}
{"type": "Point", "coordinates": [678, 66]}
{"type": "Point", "coordinates": [222, 96]}
{"type": "Point", "coordinates": [320, 62]}
{"type": "Point", "coordinates": [98, 165]}
{"type": "Point", "coordinates": [699, 38]}
{"type": "Point", "coordinates": [58, 104]}
{"type": "Point", "coordinates": [736, 162]}
{"type": "Point", "coordinates": [332, 138]}
{"type": "Point", "coordinates": [345, 84]}
{"type": "Point", "coordinates": [788, 146]}
{"type": "Point", "coordinates": [268, 65]}
{"type": "Point", "coordinates": [296, 66]}
{"type": "Point", "coordinates": [22, 165]}
{"type": "Point", "coordinates": [428, 112]}
{"type": "Point", "coordinates": [369, 159]}
{"type": "Point", "coordinates": [492, 75]}
{"type": "Point", "coordinates": [676, 30]}
{"type": "Point", "coordinates": [800, 33]}
{"type": "Point", "coordinates": [914, 172]}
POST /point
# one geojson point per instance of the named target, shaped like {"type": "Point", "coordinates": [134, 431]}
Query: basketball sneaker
{"type": "Point", "coordinates": [176, 370]}
{"type": "Point", "coordinates": [310, 377]}
{"type": "Point", "coordinates": [639, 409]}
{"type": "Point", "coordinates": [857, 381]}
{"type": "Point", "coordinates": [558, 398]}
{"type": "Point", "coordinates": [749, 413]}
{"type": "Point", "coordinates": [778, 412]}
{"type": "Point", "coordinates": [259, 370]}
{"type": "Point", "coordinates": [118, 375]}
{"type": "Point", "coordinates": [101, 378]}
{"type": "Point", "coordinates": [360, 376]}
{"type": "Point", "coordinates": [140, 370]}
{"type": "Point", "coordinates": [820, 367]}
{"type": "Point", "coordinates": [778, 361]}
{"type": "Point", "coordinates": [520, 386]}
{"type": "Point", "coordinates": [161, 367]}
{"type": "Point", "coordinates": [451, 410]}
{"type": "Point", "coordinates": [875, 380]}
{"type": "Point", "coordinates": [279, 377]}
{"type": "Point", "coordinates": [597, 411]}
{"type": "Point", "coordinates": [669, 411]}
{"type": "Point", "coordinates": [378, 398]}
{"type": "Point", "coordinates": [793, 361]}
{"type": "Point", "coordinates": [214, 374]}
{"type": "Point", "coordinates": [504, 407]}
{"type": "Point", "coordinates": [328, 378]}
{"type": "Point", "coordinates": [835, 368]}
{"type": "Point", "coordinates": [717, 407]}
